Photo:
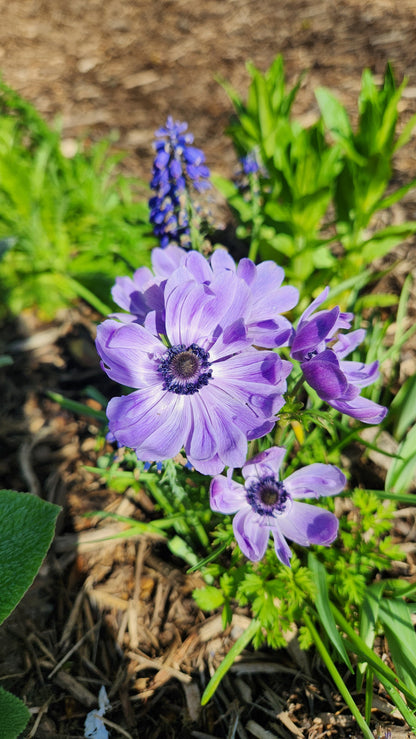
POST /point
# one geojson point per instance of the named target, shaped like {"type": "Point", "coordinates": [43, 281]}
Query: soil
{"type": "Point", "coordinates": [122, 614]}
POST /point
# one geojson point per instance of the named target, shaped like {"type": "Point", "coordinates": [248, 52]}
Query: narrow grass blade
{"type": "Point", "coordinates": [79, 408]}
{"type": "Point", "coordinates": [228, 661]}
{"type": "Point", "coordinates": [86, 294]}
{"type": "Point", "coordinates": [337, 678]}
{"type": "Point", "coordinates": [323, 607]}
{"type": "Point", "coordinates": [407, 714]}
{"type": "Point", "coordinates": [368, 619]}
{"type": "Point", "coordinates": [401, 472]}
{"type": "Point", "coordinates": [409, 498]}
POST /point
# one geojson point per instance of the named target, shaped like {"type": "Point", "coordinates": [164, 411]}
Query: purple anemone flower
{"type": "Point", "coordinates": [267, 298]}
{"type": "Point", "coordinates": [321, 350]}
{"type": "Point", "coordinates": [203, 387]}
{"type": "Point", "coordinates": [265, 503]}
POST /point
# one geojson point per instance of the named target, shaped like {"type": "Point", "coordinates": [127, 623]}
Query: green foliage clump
{"type": "Point", "coordinates": [311, 205]}
{"type": "Point", "coordinates": [68, 226]}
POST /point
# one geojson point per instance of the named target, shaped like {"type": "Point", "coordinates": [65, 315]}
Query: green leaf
{"type": "Point", "coordinates": [27, 526]}
{"type": "Point", "coordinates": [83, 292]}
{"type": "Point", "coordinates": [323, 607]}
{"type": "Point", "coordinates": [406, 134]}
{"type": "Point", "coordinates": [229, 659]}
{"type": "Point", "coordinates": [181, 549]}
{"type": "Point", "coordinates": [407, 714]}
{"type": "Point", "coordinates": [403, 408]}
{"type": "Point", "coordinates": [408, 498]}
{"type": "Point", "coordinates": [395, 196]}
{"type": "Point", "coordinates": [208, 598]}
{"type": "Point", "coordinates": [224, 185]}
{"type": "Point", "coordinates": [375, 300]}
{"type": "Point", "coordinates": [385, 133]}
{"type": "Point", "coordinates": [322, 257]}
{"type": "Point", "coordinates": [336, 120]}
{"type": "Point", "coordinates": [398, 627]}
{"type": "Point", "coordinates": [400, 474]}
{"type": "Point", "coordinates": [338, 680]}
{"type": "Point", "coordinates": [368, 620]}
{"type": "Point", "coordinates": [385, 240]}
{"type": "Point", "coordinates": [75, 407]}
{"type": "Point", "coordinates": [14, 715]}
{"type": "Point", "coordinates": [334, 114]}
{"type": "Point", "coordinates": [359, 647]}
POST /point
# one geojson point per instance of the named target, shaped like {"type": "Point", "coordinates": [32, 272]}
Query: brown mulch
{"type": "Point", "coordinates": [121, 613]}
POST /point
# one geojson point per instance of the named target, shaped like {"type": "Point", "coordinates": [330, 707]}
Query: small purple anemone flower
{"type": "Point", "coordinates": [320, 349]}
{"type": "Point", "coordinates": [177, 165]}
{"type": "Point", "coordinates": [203, 387]}
{"type": "Point", "coordinates": [267, 504]}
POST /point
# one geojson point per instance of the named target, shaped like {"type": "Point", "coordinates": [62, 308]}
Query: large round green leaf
{"type": "Point", "coordinates": [27, 526]}
{"type": "Point", "coordinates": [13, 715]}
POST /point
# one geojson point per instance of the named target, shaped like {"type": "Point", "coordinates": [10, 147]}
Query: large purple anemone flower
{"type": "Point", "coordinates": [321, 350]}
{"type": "Point", "coordinates": [267, 504]}
{"type": "Point", "coordinates": [267, 297]}
{"type": "Point", "coordinates": [203, 387]}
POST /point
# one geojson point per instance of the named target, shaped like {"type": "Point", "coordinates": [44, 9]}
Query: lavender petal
{"type": "Point", "coordinates": [251, 537]}
{"type": "Point", "coordinates": [315, 480]}
{"type": "Point", "coordinates": [307, 524]}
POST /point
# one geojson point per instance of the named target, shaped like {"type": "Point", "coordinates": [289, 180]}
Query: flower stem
{"type": "Point", "coordinates": [293, 393]}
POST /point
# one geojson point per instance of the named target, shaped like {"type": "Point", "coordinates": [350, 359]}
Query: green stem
{"type": "Point", "coordinates": [293, 393]}
{"type": "Point", "coordinates": [337, 678]}
{"type": "Point", "coordinates": [88, 296]}
{"type": "Point", "coordinates": [254, 247]}
{"type": "Point", "coordinates": [257, 217]}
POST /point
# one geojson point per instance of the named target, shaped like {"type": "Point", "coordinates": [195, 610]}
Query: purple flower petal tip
{"type": "Point", "coordinates": [321, 349]}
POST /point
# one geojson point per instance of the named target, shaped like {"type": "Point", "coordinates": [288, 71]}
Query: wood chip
{"type": "Point", "coordinates": [258, 731]}
{"type": "Point", "coordinates": [76, 689]}
{"type": "Point", "coordinates": [193, 700]}
{"type": "Point", "coordinates": [284, 717]}
{"type": "Point", "coordinates": [157, 664]}
{"type": "Point", "coordinates": [213, 626]}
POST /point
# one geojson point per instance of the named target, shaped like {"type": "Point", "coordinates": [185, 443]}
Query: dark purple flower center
{"type": "Point", "coordinates": [185, 369]}
{"type": "Point", "coordinates": [268, 497]}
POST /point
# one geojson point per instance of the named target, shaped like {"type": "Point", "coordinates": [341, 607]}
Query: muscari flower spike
{"type": "Point", "coordinates": [204, 387]}
{"type": "Point", "coordinates": [321, 349]}
{"type": "Point", "coordinates": [250, 163]}
{"type": "Point", "coordinates": [177, 166]}
{"type": "Point", "coordinates": [265, 503]}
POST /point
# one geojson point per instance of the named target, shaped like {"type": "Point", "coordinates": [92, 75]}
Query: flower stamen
{"type": "Point", "coordinates": [185, 369]}
{"type": "Point", "coordinates": [269, 497]}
